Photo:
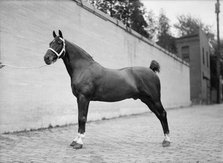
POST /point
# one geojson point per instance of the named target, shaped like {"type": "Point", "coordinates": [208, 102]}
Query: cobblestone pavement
{"type": "Point", "coordinates": [196, 135]}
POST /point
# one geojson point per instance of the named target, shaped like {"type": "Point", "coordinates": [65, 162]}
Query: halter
{"type": "Point", "coordinates": [62, 52]}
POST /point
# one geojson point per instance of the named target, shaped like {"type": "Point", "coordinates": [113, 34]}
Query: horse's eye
{"type": "Point", "coordinates": [59, 41]}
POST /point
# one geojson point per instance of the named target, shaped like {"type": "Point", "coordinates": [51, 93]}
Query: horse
{"type": "Point", "coordinates": [90, 81]}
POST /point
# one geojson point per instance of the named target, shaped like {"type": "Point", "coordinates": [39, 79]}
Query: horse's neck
{"type": "Point", "coordinates": [74, 60]}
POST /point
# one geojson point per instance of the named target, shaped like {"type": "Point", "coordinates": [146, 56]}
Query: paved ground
{"type": "Point", "coordinates": [196, 134]}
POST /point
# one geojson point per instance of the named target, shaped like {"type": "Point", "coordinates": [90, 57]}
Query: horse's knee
{"type": "Point", "coordinates": [82, 119]}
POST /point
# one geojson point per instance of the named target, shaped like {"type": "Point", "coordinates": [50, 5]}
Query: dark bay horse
{"type": "Point", "coordinates": [92, 82]}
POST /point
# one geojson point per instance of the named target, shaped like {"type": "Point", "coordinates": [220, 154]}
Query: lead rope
{"type": "Point", "coordinates": [21, 67]}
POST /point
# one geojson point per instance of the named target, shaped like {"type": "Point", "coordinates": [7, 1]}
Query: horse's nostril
{"type": "Point", "coordinates": [46, 59]}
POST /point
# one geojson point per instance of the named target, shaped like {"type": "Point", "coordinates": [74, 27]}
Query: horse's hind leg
{"type": "Point", "coordinates": [158, 110]}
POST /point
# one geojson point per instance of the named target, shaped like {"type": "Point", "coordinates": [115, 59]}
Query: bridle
{"type": "Point", "coordinates": [62, 52]}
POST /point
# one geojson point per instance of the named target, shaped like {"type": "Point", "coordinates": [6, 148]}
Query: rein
{"type": "Point", "coordinates": [62, 52]}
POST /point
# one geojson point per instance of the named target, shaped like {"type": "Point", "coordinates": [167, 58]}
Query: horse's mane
{"type": "Point", "coordinates": [81, 51]}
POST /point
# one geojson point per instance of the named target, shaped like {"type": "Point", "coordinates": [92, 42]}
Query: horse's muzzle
{"type": "Point", "coordinates": [47, 60]}
{"type": "Point", "coordinates": [50, 58]}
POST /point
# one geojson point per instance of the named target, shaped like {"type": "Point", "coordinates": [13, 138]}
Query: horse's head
{"type": "Point", "coordinates": [56, 49]}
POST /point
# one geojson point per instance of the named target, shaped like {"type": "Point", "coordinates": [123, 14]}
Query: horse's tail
{"type": "Point", "coordinates": [155, 66]}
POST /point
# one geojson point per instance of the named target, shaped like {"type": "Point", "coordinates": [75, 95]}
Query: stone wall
{"type": "Point", "coordinates": [34, 98]}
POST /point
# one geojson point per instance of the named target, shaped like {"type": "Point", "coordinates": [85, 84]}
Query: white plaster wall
{"type": "Point", "coordinates": [34, 98]}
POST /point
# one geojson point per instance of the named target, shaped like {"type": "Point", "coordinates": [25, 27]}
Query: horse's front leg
{"type": "Point", "coordinates": [83, 104]}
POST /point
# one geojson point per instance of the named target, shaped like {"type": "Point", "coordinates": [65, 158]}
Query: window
{"type": "Point", "coordinates": [203, 56]}
{"type": "Point", "coordinates": [185, 51]}
{"type": "Point", "coordinates": [207, 59]}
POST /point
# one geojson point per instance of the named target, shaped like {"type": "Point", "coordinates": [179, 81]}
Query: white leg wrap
{"type": "Point", "coordinates": [166, 137]}
{"type": "Point", "coordinates": [79, 137]}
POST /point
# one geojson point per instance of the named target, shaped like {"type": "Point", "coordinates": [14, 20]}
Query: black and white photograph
{"type": "Point", "coordinates": [111, 81]}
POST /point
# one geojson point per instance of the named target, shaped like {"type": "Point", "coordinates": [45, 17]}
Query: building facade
{"type": "Point", "coordinates": [195, 50]}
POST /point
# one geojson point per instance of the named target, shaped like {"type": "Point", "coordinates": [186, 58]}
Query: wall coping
{"type": "Point", "coordinates": [85, 5]}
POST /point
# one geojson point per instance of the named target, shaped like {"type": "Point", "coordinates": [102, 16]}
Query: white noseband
{"type": "Point", "coordinates": [62, 52]}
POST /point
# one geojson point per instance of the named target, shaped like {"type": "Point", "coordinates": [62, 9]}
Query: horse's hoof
{"type": "Point", "coordinates": [166, 143]}
{"type": "Point", "coordinates": [78, 146]}
{"type": "Point", "coordinates": [73, 143]}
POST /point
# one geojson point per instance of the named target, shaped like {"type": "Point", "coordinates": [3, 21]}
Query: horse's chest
{"type": "Point", "coordinates": [74, 90]}
{"type": "Point", "coordinates": [84, 88]}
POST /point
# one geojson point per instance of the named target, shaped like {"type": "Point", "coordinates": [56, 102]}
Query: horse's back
{"type": "Point", "coordinates": [142, 74]}
{"type": "Point", "coordinates": [144, 78]}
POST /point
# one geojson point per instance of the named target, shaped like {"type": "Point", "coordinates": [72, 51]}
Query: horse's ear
{"type": "Point", "coordinates": [54, 34]}
{"type": "Point", "coordinates": [60, 34]}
